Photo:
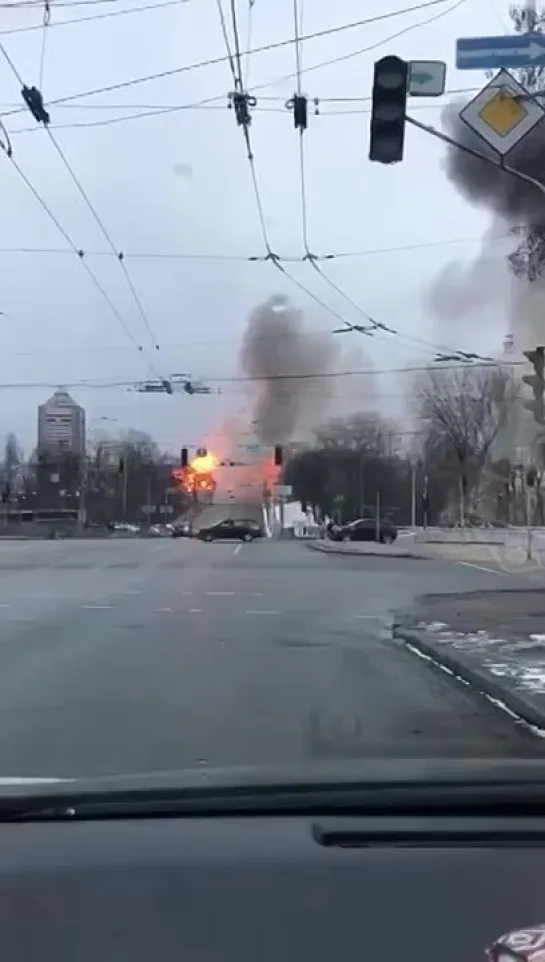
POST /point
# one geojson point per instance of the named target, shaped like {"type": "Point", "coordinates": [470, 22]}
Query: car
{"type": "Point", "coordinates": [365, 529]}
{"type": "Point", "coordinates": [232, 529]}
{"type": "Point", "coordinates": [182, 530]}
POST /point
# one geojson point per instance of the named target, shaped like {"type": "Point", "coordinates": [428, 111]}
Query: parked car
{"type": "Point", "coordinates": [182, 530]}
{"type": "Point", "coordinates": [365, 529]}
{"type": "Point", "coordinates": [232, 529]}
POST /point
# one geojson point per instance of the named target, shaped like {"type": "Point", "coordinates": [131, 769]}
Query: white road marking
{"type": "Point", "coordinates": [490, 571]}
{"type": "Point", "coordinates": [186, 593]}
{"type": "Point", "coordinates": [238, 548]}
{"type": "Point", "coordinates": [97, 607]}
{"type": "Point", "coordinates": [220, 594]}
{"type": "Point", "coordinates": [5, 606]}
{"type": "Point", "coordinates": [249, 612]}
{"type": "Point", "coordinates": [164, 609]}
{"type": "Point", "coordinates": [368, 616]}
{"type": "Point", "coordinates": [196, 611]}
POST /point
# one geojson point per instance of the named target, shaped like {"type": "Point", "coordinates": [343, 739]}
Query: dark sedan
{"type": "Point", "coordinates": [232, 529]}
{"type": "Point", "coordinates": [366, 530]}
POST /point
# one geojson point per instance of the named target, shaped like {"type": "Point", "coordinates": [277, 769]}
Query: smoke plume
{"type": "Point", "coordinates": [489, 283]}
{"type": "Point", "coordinates": [280, 356]}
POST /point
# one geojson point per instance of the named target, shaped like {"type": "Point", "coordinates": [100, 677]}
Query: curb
{"type": "Point", "coordinates": [468, 541]}
{"type": "Point", "coordinates": [365, 554]}
{"type": "Point", "coordinates": [477, 678]}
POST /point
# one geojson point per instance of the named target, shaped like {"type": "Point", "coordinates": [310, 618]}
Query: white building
{"type": "Point", "coordinates": [61, 424]}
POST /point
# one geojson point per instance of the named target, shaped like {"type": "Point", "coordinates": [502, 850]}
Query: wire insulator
{"type": "Point", "coordinates": [5, 142]}
{"type": "Point", "coordinates": [241, 103]}
{"type": "Point", "coordinates": [35, 103]}
{"type": "Point", "coordinates": [300, 112]}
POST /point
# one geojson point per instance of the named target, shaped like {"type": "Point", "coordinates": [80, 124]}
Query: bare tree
{"type": "Point", "coordinates": [465, 410]}
{"type": "Point", "coordinates": [528, 259]}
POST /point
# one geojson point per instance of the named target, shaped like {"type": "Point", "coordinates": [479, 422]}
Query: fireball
{"type": "Point", "coordinates": [204, 464]}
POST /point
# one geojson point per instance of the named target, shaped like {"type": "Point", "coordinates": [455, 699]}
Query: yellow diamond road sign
{"type": "Point", "coordinates": [502, 113]}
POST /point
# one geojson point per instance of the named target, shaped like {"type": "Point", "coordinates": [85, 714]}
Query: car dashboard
{"type": "Point", "coordinates": [273, 889]}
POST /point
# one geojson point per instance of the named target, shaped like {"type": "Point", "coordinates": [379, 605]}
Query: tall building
{"type": "Point", "coordinates": [61, 424]}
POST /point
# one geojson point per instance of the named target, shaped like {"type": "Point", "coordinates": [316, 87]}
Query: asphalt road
{"type": "Point", "coordinates": [130, 656]}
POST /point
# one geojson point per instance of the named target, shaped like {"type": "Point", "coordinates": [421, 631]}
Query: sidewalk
{"type": "Point", "coordinates": [493, 640]}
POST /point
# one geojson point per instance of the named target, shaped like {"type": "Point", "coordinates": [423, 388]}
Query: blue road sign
{"type": "Point", "coordinates": [483, 53]}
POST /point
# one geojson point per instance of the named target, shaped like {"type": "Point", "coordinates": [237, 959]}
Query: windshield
{"type": "Point", "coordinates": [263, 278]}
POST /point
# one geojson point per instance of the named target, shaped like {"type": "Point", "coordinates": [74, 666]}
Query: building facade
{"type": "Point", "coordinates": [61, 424]}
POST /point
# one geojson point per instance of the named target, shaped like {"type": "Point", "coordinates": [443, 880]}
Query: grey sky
{"type": "Point", "coordinates": [180, 182]}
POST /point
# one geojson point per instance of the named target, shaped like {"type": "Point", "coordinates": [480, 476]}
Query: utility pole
{"type": "Point", "coordinates": [413, 494]}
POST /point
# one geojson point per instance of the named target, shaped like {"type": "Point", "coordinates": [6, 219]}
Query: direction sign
{"type": "Point", "coordinates": [427, 78]}
{"type": "Point", "coordinates": [502, 113]}
{"type": "Point", "coordinates": [485, 53]}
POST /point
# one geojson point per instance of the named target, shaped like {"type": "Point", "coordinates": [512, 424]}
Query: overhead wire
{"type": "Point", "coordinates": [301, 124]}
{"type": "Point", "coordinates": [240, 98]}
{"type": "Point", "coordinates": [64, 233]}
{"type": "Point", "coordinates": [45, 25]}
{"type": "Point", "coordinates": [97, 16]}
{"type": "Point", "coordinates": [318, 34]}
{"type": "Point", "coordinates": [94, 383]}
{"type": "Point", "coordinates": [118, 254]}
{"type": "Point", "coordinates": [253, 258]}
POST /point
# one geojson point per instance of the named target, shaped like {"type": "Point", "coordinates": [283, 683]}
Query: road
{"type": "Point", "coordinates": [136, 655]}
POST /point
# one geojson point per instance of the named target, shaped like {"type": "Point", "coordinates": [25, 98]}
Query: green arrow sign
{"type": "Point", "coordinates": [427, 78]}
{"type": "Point", "coordinates": [420, 79]}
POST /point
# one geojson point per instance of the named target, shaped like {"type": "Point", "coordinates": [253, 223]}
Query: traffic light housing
{"type": "Point", "coordinates": [537, 382]}
{"type": "Point", "coordinates": [388, 112]}
{"type": "Point", "coordinates": [184, 459]}
{"type": "Point", "coordinates": [278, 456]}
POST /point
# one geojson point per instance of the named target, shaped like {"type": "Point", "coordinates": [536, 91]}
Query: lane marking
{"type": "Point", "coordinates": [221, 594]}
{"type": "Point", "coordinates": [368, 616]}
{"type": "Point", "coordinates": [250, 612]}
{"type": "Point", "coordinates": [238, 548]}
{"type": "Point", "coordinates": [255, 594]}
{"type": "Point", "coordinates": [196, 611]}
{"type": "Point", "coordinates": [187, 593]}
{"type": "Point", "coordinates": [97, 607]}
{"type": "Point", "coordinates": [490, 571]}
{"type": "Point", "coordinates": [163, 609]}
{"type": "Point", "coordinates": [5, 606]}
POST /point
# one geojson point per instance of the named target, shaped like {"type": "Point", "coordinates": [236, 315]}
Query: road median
{"type": "Point", "coordinates": [364, 549]}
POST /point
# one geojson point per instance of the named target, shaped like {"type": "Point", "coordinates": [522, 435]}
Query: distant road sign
{"type": "Point", "coordinates": [502, 113]}
{"type": "Point", "coordinates": [427, 78]}
{"type": "Point", "coordinates": [484, 53]}
{"type": "Point", "coordinates": [282, 490]}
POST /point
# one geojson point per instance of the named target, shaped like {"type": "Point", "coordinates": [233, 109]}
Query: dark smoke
{"type": "Point", "coordinates": [493, 285]}
{"type": "Point", "coordinates": [278, 351]}
{"type": "Point", "coordinates": [490, 187]}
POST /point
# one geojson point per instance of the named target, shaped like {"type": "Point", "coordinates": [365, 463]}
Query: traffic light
{"type": "Point", "coordinates": [390, 87]}
{"type": "Point", "coordinates": [537, 383]}
{"type": "Point", "coordinates": [184, 459]}
{"type": "Point", "coordinates": [278, 456]}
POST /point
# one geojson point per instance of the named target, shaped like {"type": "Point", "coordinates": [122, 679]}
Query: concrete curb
{"type": "Point", "coordinates": [315, 546]}
{"type": "Point", "coordinates": [478, 678]}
